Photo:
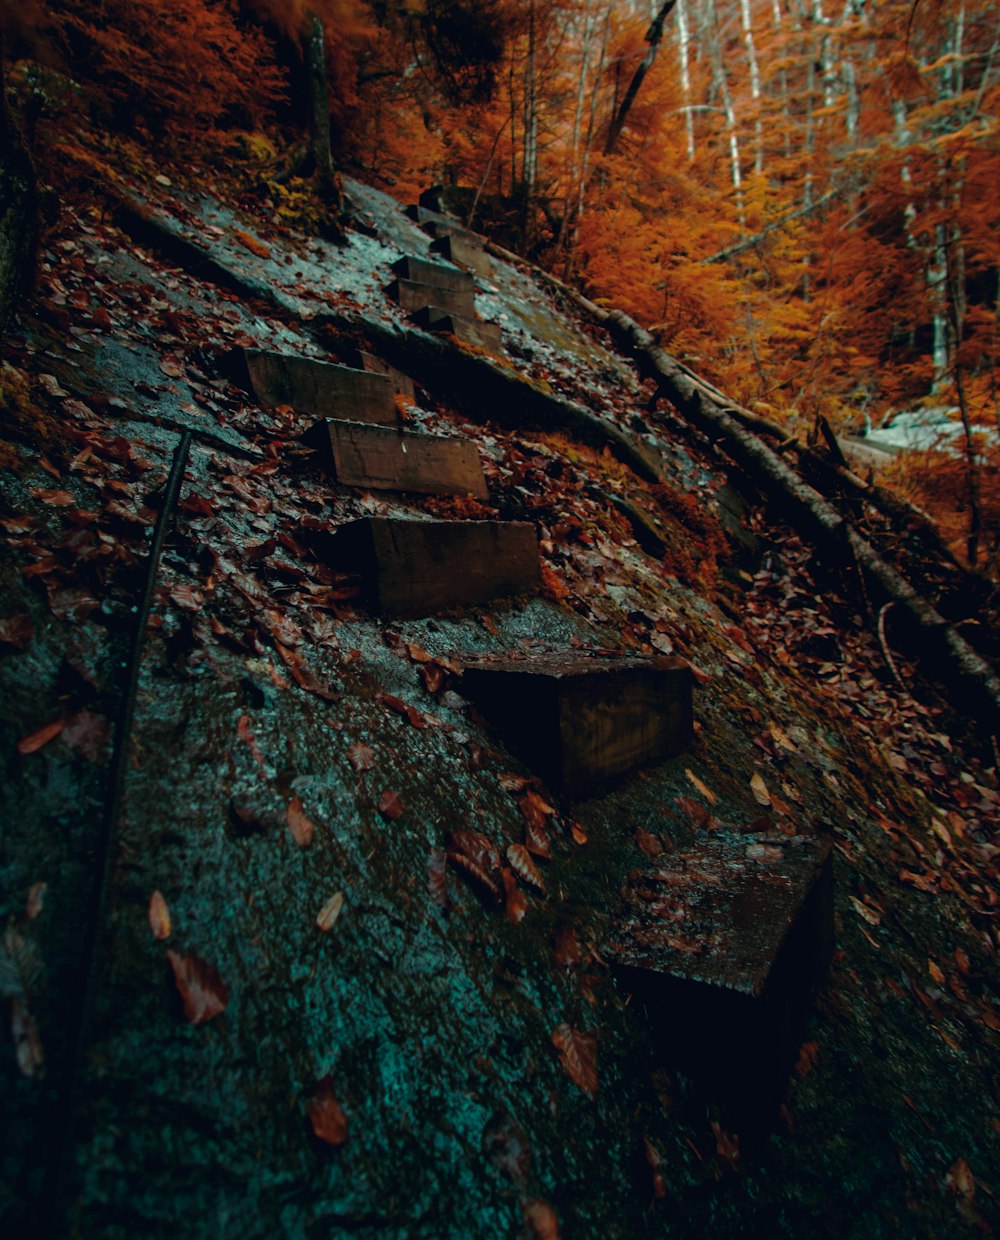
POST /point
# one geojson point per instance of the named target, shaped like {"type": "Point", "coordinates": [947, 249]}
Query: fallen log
{"type": "Point", "coordinates": [944, 653]}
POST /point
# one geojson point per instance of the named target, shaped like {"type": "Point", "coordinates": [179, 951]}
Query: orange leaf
{"type": "Point", "coordinates": [536, 841]}
{"type": "Point", "coordinates": [566, 949]}
{"type": "Point", "coordinates": [202, 990]}
{"type": "Point", "coordinates": [578, 1053]}
{"type": "Point", "coordinates": [326, 1115]}
{"type": "Point", "coordinates": [35, 740]}
{"type": "Point", "coordinates": [159, 916]}
{"type": "Point", "coordinates": [299, 823]}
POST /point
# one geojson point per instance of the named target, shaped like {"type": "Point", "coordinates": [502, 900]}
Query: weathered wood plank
{"type": "Point", "coordinates": [319, 388]}
{"type": "Point", "coordinates": [584, 719]}
{"type": "Point", "coordinates": [437, 275]}
{"type": "Point", "coordinates": [413, 295]}
{"type": "Point", "coordinates": [473, 331]}
{"type": "Point", "coordinates": [439, 225]}
{"type": "Point", "coordinates": [725, 945]}
{"type": "Point", "coordinates": [391, 460]}
{"type": "Point", "coordinates": [465, 250]}
{"type": "Point", "coordinates": [416, 568]}
{"type": "Point", "coordinates": [402, 383]}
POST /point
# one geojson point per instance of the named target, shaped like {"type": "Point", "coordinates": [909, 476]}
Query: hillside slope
{"type": "Point", "coordinates": [287, 745]}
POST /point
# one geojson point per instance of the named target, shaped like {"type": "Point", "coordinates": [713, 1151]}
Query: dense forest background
{"type": "Point", "coordinates": [797, 198]}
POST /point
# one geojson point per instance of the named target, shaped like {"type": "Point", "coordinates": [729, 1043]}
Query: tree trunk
{"type": "Point", "coordinates": [653, 36]}
{"type": "Point", "coordinates": [18, 202]}
{"type": "Point", "coordinates": [327, 182]}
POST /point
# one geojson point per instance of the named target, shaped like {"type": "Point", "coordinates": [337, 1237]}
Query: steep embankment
{"type": "Point", "coordinates": [475, 1071]}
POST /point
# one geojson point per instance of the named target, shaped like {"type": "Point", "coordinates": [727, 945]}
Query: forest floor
{"type": "Point", "coordinates": [289, 748]}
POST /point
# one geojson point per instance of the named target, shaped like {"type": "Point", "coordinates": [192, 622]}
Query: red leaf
{"type": "Point", "coordinates": [16, 631]}
{"type": "Point", "coordinates": [541, 1221]}
{"type": "Point", "coordinates": [299, 823]}
{"type": "Point", "coordinates": [566, 948]}
{"type": "Point", "coordinates": [578, 1054]}
{"type": "Point", "coordinates": [202, 990]}
{"type": "Point", "coordinates": [326, 1115]}
{"type": "Point", "coordinates": [485, 884]}
{"type": "Point", "coordinates": [408, 712]}
{"type": "Point", "coordinates": [537, 842]}
{"type": "Point", "coordinates": [35, 740]}
{"type": "Point", "coordinates": [516, 902]}
{"type": "Point", "coordinates": [700, 815]}
{"type": "Point", "coordinates": [58, 499]}
{"type": "Point", "coordinates": [649, 844]}
{"type": "Point", "coordinates": [523, 866]}
{"type": "Point", "coordinates": [390, 805]}
{"type": "Point", "coordinates": [361, 756]}
{"type": "Point", "coordinates": [535, 811]}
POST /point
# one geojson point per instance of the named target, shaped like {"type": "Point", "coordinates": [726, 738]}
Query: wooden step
{"type": "Point", "coordinates": [421, 271]}
{"type": "Point", "coordinates": [439, 225]}
{"type": "Point", "coordinates": [583, 719]}
{"type": "Point", "coordinates": [391, 460]}
{"type": "Point", "coordinates": [364, 361]}
{"type": "Point", "coordinates": [415, 568]}
{"type": "Point", "coordinates": [319, 388]}
{"type": "Point", "coordinates": [725, 945]}
{"type": "Point", "coordinates": [465, 250]}
{"type": "Point", "coordinates": [473, 331]}
{"type": "Point", "coordinates": [414, 295]}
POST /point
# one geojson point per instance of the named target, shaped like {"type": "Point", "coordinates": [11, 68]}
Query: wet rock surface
{"type": "Point", "coordinates": [445, 1044]}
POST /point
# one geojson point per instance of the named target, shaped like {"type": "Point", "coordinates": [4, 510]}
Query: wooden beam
{"type": "Point", "coordinates": [724, 945]}
{"type": "Point", "coordinates": [416, 568]}
{"type": "Point", "coordinates": [437, 275]}
{"type": "Point", "coordinates": [584, 719]}
{"type": "Point", "coordinates": [414, 295]}
{"type": "Point", "coordinates": [390, 460]}
{"type": "Point", "coordinates": [488, 336]}
{"type": "Point", "coordinates": [466, 251]}
{"type": "Point", "coordinates": [319, 388]}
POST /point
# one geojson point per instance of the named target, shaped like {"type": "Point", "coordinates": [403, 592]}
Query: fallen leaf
{"type": "Point", "coordinates": [727, 1146]}
{"type": "Point", "coordinates": [90, 735]}
{"type": "Point", "coordinates": [808, 1058]}
{"type": "Point", "coordinates": [649, 844]}
{"type": "Point", "coordinates": [159, 916]}
{"type": "Point", "coordinates": [935, 971]}
{"type": "Point", "coordinates": [534, 810]}
{"type": "Point", "coordinates": [541, 1221]}
{"type": "Point", "coordinates": [566, 948]}
{"type": "Point", "coordinates": [172, 367]}
{"type": "Point", "coordinates": [299, 823]}
{"type": "Point", "coordinates": [578, 833]}
{"type": "Point", "coordinates": [36, 900]}
{"type": "Point", "coordinates": [867, 914]}
{"type": "Point", "coordinates": [57, 499]}
{"type": "Point", "coordinates": [655, 1159]}
{"type": "Point", "coordinates": [705, 791]}
{"type": "Point", "coordinates": [361, 756]}
{"type": "Point", "coordinates": [326, 1115]}
{"type": "Point", "coordinates": [961, 1181]}
{"type": "Point", "coordinates": [523, 866]}
{"type": "Point", "coordinates": [516, 902]}
{"type": "Point", "coordinates": [35, 740]}
{"type": "Point", "coordinates": [437, 877]}
{"type": "Point", "coordinates": [328, 914]}
{"type": "Point", "coordinates": [759, 789]}
{"type": "Point", "coordinates": [578, 1054]}
{"type": "Point", "coordinates": [16, 631]}
{"type": "Point", "coordinates": [700, 815]}
{"type": "Point", "coordinates": [513, 783]}
{"type": "Point", "coordinates": [203, 992]}
{"type": "Point", "coordinates": [390, 805]}
{"type": "Point", "coordinates": [537, 841]}
{"type": "Point", "coordinates": [764, 853]}
{"type": "Point", "coordinates": [27, 1042]}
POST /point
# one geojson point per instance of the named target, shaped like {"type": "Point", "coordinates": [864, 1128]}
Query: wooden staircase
{"type": "Point", "coordinates": [723, 942]}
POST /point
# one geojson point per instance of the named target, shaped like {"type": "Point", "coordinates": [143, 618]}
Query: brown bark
{"type": "Point", "coordinates": [653, 36]}
{"type": "Point", "coordinates": [327, 182]}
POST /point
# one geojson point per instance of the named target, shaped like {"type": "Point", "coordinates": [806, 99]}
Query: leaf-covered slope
{"type": "Point", "coordinates": [425, 1062]}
